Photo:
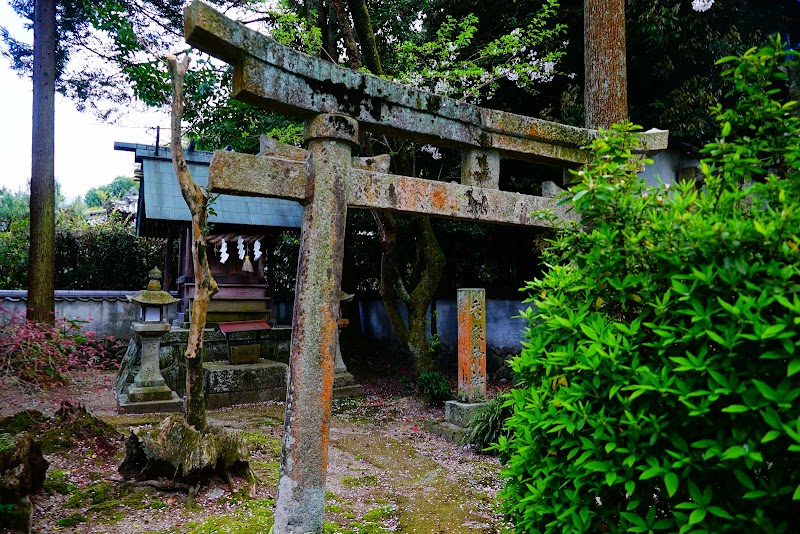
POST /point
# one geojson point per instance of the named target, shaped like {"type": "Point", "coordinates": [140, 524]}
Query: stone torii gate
{"type": "Point", "coordinates": [336, 102]}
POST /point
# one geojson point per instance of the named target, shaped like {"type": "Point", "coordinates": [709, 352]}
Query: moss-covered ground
{"type": "Point", "coordinates": [386, 474]}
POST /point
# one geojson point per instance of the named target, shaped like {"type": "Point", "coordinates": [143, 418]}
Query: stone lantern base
{"type": "Point", "coordinates": [172, 404]}
{"type": "Point", "coordinates": [148, 392]}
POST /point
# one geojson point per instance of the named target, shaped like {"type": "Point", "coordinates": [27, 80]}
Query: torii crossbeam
{"type": "Point", "coordinates": [326, 180]}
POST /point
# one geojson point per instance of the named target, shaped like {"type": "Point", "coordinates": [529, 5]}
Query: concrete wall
{"type": "Point", "coordinates": [107, 313]}
{"type": "Point", "coordinates": [502, 329]}
{"type": "Point", "coordinates": [669, 166]}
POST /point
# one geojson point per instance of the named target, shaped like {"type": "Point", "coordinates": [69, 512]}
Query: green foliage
{"type": "Point", "coordinates": [97, 196]}
{"type": "Point", "coordinates": [671, 48]}
{"type": "Point", "coordinates": [72, 520]}
{"type": "Point", "coordinates": [433, 387]}
{"type": "Point", "coordinates": [489, 424]}
{"type": "Point", "coordinates": [660, 360]}
{"type": "Point", "coordinates": [13, 207]}
{"type": "Point", "coordinates": [14, 255]}
{"type": "Point", "coordinates": [58, 481]}
{"type": "Point", "coordinates": [105, 256]}
{"type": "Point", "coordinates": [7, 441]}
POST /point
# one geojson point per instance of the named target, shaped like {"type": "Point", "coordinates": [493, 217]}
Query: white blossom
{"type": "Point", "coordinates": [432, 150]}
{"type": "Point", "coordinates": [702, 5]}
{"type": "Point", "coordinates": [442, 87]}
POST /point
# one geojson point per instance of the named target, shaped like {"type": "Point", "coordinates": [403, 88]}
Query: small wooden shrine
{"type": "Point", "coordinates": [242, 238]}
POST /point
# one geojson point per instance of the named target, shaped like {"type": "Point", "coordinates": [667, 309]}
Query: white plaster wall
{"type": "Point", "coordinates": [105, 316]}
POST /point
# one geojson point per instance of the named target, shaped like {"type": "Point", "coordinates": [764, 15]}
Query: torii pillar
{"type": "Point", "coordinates": [304, 461]}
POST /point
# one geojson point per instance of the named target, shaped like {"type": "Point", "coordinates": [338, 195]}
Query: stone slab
{"type": "Point", "coordinates": [462, 413]}
{"type": "Point", "coordinates": [356, 390]}
{"type": "Point", "coordinates": [240, 354]}
{"type": "Point", "coordinates": [271, 76]}
{"type": "Point", "coordinates": [471, 345]}
{"type": "Point", "coordinates": [448, 431]}
{"type": "Point", "coordinates": [174, 404]}
{"type": "Point", "coordinates": [228, 384]}
{"type": "Point", "coordinates": [341, 380]}
{"type": "Point", "coordinates": [149, 394]}
{"type": "Point", "coordinates": [222, 377]}
{"type": "Point", "coordinates": [232, 398]}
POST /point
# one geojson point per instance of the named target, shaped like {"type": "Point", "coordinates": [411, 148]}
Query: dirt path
{"type": "Point", "coordinates": [386, 473]}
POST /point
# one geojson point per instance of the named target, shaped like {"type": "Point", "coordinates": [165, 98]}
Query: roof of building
{"type": "Point", "coordinates": [161, 203]}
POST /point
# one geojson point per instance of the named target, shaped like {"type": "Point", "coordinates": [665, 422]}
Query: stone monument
{"type": "Point", "coordinates": [471, 366]}
{"type": "Point", "coordinates": [344, 384]}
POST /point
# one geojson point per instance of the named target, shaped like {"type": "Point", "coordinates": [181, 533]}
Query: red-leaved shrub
{"type": "Point", "coordinates": [42, 354]}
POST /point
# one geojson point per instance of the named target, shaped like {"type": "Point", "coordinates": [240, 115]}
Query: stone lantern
{"type": "Point", "coordinates": [149, 392]}
{"type": "Point", "coordinates": [152, 301]}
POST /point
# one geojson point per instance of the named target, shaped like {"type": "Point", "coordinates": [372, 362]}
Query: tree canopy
{"type": "Point", "coordinates": [118, 188]}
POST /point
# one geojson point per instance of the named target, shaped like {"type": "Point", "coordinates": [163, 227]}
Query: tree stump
{"type": "Point", "coordinates": [176, 450]}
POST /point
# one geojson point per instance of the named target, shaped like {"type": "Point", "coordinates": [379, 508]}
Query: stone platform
{"type": "Point", "coordinates": [344, 385]}
{"type": "Point", "coordinates": [173, 404]}
{"type": "Point", "coordinates": [228, 384]}
{"type": "Point", "coordinates": [458, 416]}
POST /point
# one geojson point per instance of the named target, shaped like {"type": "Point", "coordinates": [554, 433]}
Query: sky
{"type": "Point", "coordinates": [84, 146]}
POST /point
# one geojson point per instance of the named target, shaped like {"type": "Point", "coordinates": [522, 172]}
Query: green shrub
{"type": "Point", "coordinates": [102, 256]}
{"type": "Point", "coordinates": [433, 387]}
{"type": "Point", "coordinates": [659, 368]}
{"type": "Point", "coordinates": [489, 424]}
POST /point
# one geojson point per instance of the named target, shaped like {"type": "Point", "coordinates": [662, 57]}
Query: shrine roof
{"type": "Point", "coordinates": [160, 199]}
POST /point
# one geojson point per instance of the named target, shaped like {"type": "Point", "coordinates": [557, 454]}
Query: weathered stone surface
{"type": "Point", "coordinates": [148, 392]}
{"type": "Point", "coordinates": [448, 431]}
{"type": "Point", "coordinates": [462, 413]}
{"type": "Point", "coordinates": [274, 345]}
{"type": "Point", "coordinates": [480, 168]}
{"type": "Point", "coordinates": [344, 385]}
{"type": "Point", "coordinates": [301, 486]}
{"type": "Point", "coordinates": [472, 344]}
{"type": "Point", "coordinates": [228, 384]}
{"type": "Point", "coordinates": [445, 199]}
{"type": "Point", "coordinates": [231, 172]}
{"type": "Point", "coordinates": [172, 404]}
{"type": "Point", "coordinates": [269, 75]}
{"type": "Point", "coordinates": [234, 173]}
{"type": "Point", "coordinates": [550, 189]}
{"type": "Point", "coordinates": [22, 473]}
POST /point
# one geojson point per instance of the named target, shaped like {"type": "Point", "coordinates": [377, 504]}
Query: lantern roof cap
{"type": "Point", "coordinates": [153, 295]}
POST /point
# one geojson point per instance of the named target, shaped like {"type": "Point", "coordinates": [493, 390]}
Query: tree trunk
{"type": "Point", "coordinates": [196, 199]}
{"type": "Point", "coordinates": [361, 20]}
{"type": "Point", "coordinates": [605, 94]}
{"type": "Point", "coordinates": [414, 335]}
{"type": "Point", "coordinates": [346, 29]}
{"type": "Point", "coordinates": [432, 261]}
{"type": "Point", "coordinates": [41, 256]}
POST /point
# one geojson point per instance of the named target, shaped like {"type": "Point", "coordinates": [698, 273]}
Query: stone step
{"type": "Point", "coordinates": [341, 380]}
{"type": "Point", "coordinates": [356, 390]}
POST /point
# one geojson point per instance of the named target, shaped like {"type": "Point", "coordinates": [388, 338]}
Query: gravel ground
{"type": "Point", "coordinates": [386, 472]}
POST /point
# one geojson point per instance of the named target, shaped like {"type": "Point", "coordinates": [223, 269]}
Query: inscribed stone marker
{"type": "Point", "coordinates": [472, 345]}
